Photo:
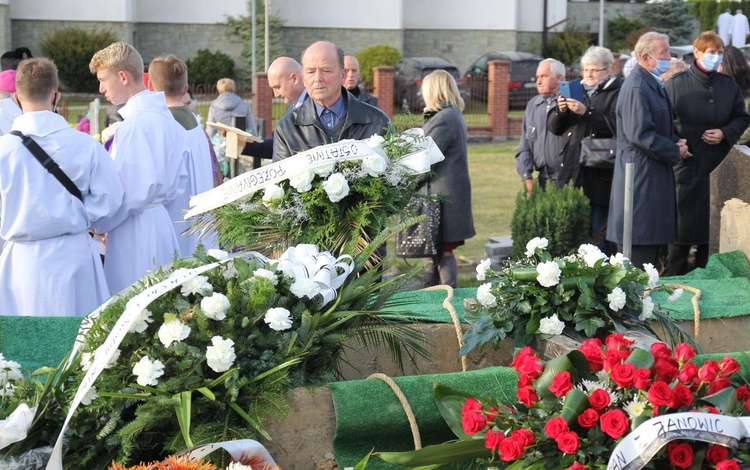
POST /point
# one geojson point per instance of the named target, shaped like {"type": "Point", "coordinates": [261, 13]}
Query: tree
{"type": "Point", "coordinates": [569, 46]}
{"type": "Point", "coordinates": [619, 29]}
{"type": "Point", "coordinates": [71, 49]}
{"type": "Point", "coordinates": [672, 18]}
{"type": "Point", "coordinates": [208, 67]}
{"type": "Point", "coordinates": [242, 27]}
{"type": "Point", "coordinates": [376, 56]}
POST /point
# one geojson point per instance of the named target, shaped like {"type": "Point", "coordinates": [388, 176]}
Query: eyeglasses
{"type": "Point", "coordinates": [587, 71]}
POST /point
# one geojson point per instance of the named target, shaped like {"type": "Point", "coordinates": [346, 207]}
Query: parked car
{"type": "Point", "coordinates": [521, 79]}
{"type": "Point", "coordinates": [407, 80]}
{"type": "Point", "coordinates": [683, 52]}
{"type": "Point", "coordinates": [573, 70]}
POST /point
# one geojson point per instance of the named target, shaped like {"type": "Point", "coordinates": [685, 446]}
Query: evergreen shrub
{"type": "Point", "coordinates": [559, 215]}
{"type": "Point", "coordinates": [208, 67]}
{"type": "Point", "coordinates": [71, 49]}
{"type": "Point", "coordinates": [376, 56]}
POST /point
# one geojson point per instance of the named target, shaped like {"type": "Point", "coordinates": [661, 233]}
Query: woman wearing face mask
{"type": "Point", "coordinates": [710, 114]}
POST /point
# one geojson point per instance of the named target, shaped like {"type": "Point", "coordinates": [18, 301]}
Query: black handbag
{"type": "Point", "coordinates": [421, 240]}
{"type": "Point", "coordinates": [598, 153]}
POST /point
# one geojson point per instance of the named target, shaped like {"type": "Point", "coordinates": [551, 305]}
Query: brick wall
{"type": "Point", "coordinates": [263, 102]}
{"type": "Point", "coordinates": [383, 89]}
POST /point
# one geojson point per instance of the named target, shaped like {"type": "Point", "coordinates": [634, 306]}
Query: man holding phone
{"type": "Point", "coordinates": [539, 149]}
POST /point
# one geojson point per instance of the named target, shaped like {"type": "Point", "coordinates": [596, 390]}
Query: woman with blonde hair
{"type": "Point", "coordinates": [444, 122]}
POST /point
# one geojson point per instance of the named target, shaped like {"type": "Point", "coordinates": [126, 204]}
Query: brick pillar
{"type": "Point", "coordinates": [617, 63]}
{"type": "Point", "coordinates": [497, 97]}
{"type": "Point", "coordinates": [263, 101]}
{"type": "Point", "coordinates": [384, 89]}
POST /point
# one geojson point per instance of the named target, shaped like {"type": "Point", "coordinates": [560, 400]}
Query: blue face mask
{"type": "Point", "coordinates": [711, 62]}
{"type": "Point", "coordinates": [662, 65]}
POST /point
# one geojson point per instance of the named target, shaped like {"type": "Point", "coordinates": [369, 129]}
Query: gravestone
{"type": "Point", "coordinates": [728, 181]}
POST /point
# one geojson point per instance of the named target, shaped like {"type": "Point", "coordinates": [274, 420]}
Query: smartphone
{"type": "Point", "coordinates": [571, 90]}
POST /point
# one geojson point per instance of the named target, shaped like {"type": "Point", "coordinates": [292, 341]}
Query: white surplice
{"type": "Point", "coordinates": [148, 152]}
{"type": "Point", "coordinates": [50, 266]}
{"type": "Point", "coordinates": [9, 111]}
{"type": "Point", "coordinates": [200, 179]}
{"type": "Point", "coordinates": [740, 29]}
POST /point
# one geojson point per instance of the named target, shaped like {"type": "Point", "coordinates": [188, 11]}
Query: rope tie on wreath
{"type": "Point", "coordinates": [696, 309]}
{"type": "Point", "coordinates": [456, 322]}
{"type": "Point", "coordinates": [404, 404]}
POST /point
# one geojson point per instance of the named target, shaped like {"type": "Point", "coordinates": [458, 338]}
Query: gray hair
{"type": "Point", "coordinates": [555, 66]}
{"type": "Point", "coordinates": [597, 55]}
{"type": "Point", "coordinates": [645, 44]}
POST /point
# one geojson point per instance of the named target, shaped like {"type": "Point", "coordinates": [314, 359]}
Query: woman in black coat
{"type": "Point", "coordinates": [710, 114]}
{"type": "Point", "coordinates": [594, 118]}
{"type": "Point", "coordinates": [445, 124]}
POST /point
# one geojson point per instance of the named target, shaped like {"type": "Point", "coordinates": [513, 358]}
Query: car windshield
{"type": "Point", "coordinates": [523, 70]}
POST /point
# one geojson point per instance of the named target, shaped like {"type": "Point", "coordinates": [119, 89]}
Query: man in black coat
{"type": "Point", "coordinates": [351, 81]}
{"type": "Point", "coordinates": [646, 137]}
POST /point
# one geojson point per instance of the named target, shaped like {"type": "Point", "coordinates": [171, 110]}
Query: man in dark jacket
{"type": "Point", "coordinates": [646, 137]}
{"type": "Point", "coordinates": [332, 114]}
{"type": "Point", "coordinates": [351, 81]}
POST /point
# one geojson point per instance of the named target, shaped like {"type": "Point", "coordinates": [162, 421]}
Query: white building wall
{"type": "Point", "coordinates": [357, 14]}
{"type": "Point", "coordinates": [464, 14]}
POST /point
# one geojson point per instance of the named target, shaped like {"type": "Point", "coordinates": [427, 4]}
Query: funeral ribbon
{"type": "Point", "coordinates": [237, 449]}
{"type": "Point", "coordinates": [426, 153]}
{"type": "Point", "coordinates": [14, 427]}
{"type": "Point", "coordinates": [305, 262]}
{"type": "Point", "coordinates": [639, 447]}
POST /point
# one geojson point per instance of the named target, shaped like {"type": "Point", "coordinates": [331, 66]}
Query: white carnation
{"type": "Point", "coordinates": [140, 324]}
{"type": "Point", "coordinates": [278, 318]}
{"type": "Point", "coordinates": [535, 243]}
{"type": "Point", "coordinates": [197, 285]}
{"type": "Point", "coordinates": [616, 299]}
{"type": "Point", "coordinates": [591, 254]}
{"type": "Point", "coordinates": [618, 260]}
{"type": "Point", "coordinates": [484, 295]}
{"type": "Point", "coordinates": [647, 310]}
{"type": "Point", "coordinates": [217, 254]}
{"type": "Point", "coordinates": [551, 325]}
{"type": "Point", "coordinates": [375, 164]}
{"type": "Point", "coordinates": [482, 269]}
{"type": "Point", "coordinates": [653, 275]}
{"type": "Point", "coordinates": [90, 396]}
{"type": "Point", "coordinates": [147, 371]}
{"type": "Point", "coordinates": [336, 187]}
{"type": "Point", "coordinates": [215, 307]}
{"type": "Point", "coordinates": [266, 274]}
{"type": "Point", "coordinates": [675, 295]}
{"type": "Point", "coordinates": [87, 359]}
{"type": "Point", "coordinates": [305, 287]}
{"type": "Point", "coordinates": [220, 356]}
{"type": "Point", "coordinates": [173, 331]}
{"type": "Point", "coordinates": [302, 182]}
{"type": "Point", "coordinates": [375, 141]}
{"type": "Point", "coordinates": [9, 371]}
{"type": "Point", "coordinates": [272, 195]}
{"type": "Point", "coordinates": [549, 273]}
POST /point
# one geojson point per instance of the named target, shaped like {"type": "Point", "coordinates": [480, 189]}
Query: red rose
{"type": "Point", "coordinates": [729, 366]}
{"type": "Point", "coordinates": [510, 449]}
{"type": "Point", "coordinates": [728, 465]}
{"type": "Point", "coordinates": [614, 423]}
{"type": "Point", "coordinates": [524, 436]}
{"type": "Point", "coordinates": [623, 375]}
{"type": "Point", "coordinates": [665, 370]}
{"type": "Point", "coordinates": [660, 394]}
{"type": "Point", "coordinates": [618, 341]}
{"type": "Point", "coordinates": [688, 374]}
{"type": "Point", "coordinates": [530, 366]}
{"type": "Point", "coordinates": [568, 442]}
{"type": "Point", "coordinates": [681, 396]}
{"type": "Point", "coordinates": [599, 399]}
{"type": "Point", "coordinates": [743, 392]}
{"type": "Point", "coordinates": [525, 381]}
{"type": "Point", "coordinates": [661, 350]}
{"type": "Point", "coordinates": [471, 404]}
{"type": "Point", "coordinates": [680, 454]}
{"type": "Point", "coordinates": [708, 371]}
{"type": "Point", "coordinates": [527, 396]}
{"type": "Point", "coordinates": [493, 439]}
{"type": "Point", "coordinates": [561, 384]}
{"type": "Point", "coordinates": [522, 355]}
{"type": "Point", "coordinates": [555, 427]}
{"type": "Point", "coordinates": [716, 454]}
{"type": "Point", "coordinates": [684, 352]}
{"type": "Point", "coordinates": [613, 358]}
{"type": "Point", "coordinates": [577, 466]}
{"type": "Point", "coordinates": [588, 418]}
{"type": "Point", "coordinates": [719, 384]}
{"type": "Point", "coordinates": [642, 379]}
{"type": "Point", "coordinates": [472, 422]}
{"type": "Point", "coordinates": [592, 349]}
{"type": "Point", "coordinates": [491, 414]}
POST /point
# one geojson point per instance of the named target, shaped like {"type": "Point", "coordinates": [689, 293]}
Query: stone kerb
{"type": "Point", "coordinates": [263, 102]}
{"type": "Point", "coordinates": [383, 89]}
{"type": "Point", "coordinates": [497, 97]}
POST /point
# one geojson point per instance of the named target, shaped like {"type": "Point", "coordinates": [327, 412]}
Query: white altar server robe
{"type": "Point", "coordinates": [9, 111]}
{"type": "Point", "coordinates": [148, 153]}
{"type": "Point", "coordinates": [200, 179]}
{"type": "Point", "coordinates": [50, 266]}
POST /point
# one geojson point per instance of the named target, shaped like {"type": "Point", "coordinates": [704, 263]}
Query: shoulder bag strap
{"type": "Point", "coordinates": [48, 164]}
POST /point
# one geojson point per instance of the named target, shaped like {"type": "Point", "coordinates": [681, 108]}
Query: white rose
{"type": "Point", "coordinates": [590, 254]}
{"type": "Point", "coordinates": [375, 164]}
{"type": "Point", "coordinates": [197, 285]}
{"type": "Point", "coordinates": [230, 270]}
{"type": "Point", "coordinates": [305, 287]}
{"type": "Point", "coordinates": [485, 297]}
{"type": "Point", "coordinates": [90, 396]}
{"type": "Point", "coordinates": [375, 141]}
{"type": "Point", "coordinates": [336, 187]}
{"type": "Point", "coordinates": [482, 269]}
{"type": "Point", "coordinates": [647, 309]}
{"type": "Point", "coordinates": [549, 273]}
{"type": "Point", "coordinates": [215, 307]}
{"type": "Point", "coordinates": [616, 299]}
{"type": "Point", "coordinates": [324, 170]}
{"type": "Point", "coordinates": [272, 195]}
{"type": "Point", "coordinates": [220, 356]}
{"type": "Point", "coordinates": [9, 370]}
{"type": "Point", "coordinates": [147, 372]}
{"type": "Point", "coordinates": [675, 295]}
{"type": "Point", "coordinates": [302, 182]}
{"type": "Point", "coordinates": [653, 275]}
{"type": "Point", "coordinates": [535, 243]}
{"type": "Point", "coordinates": [141, 322]}
{"type": "Point", "coordinates": [217, 254]}
{"type": "Point", "coordinates": [278, 318]}
{"type": "Point", "coordinates": [266, 274]}
{"type": "Point", "coordinates": [618, 260]}
{"type": "Point", "coordinates": [173, 331]}
{"type": "Point", "coordinates": [551, 326]}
